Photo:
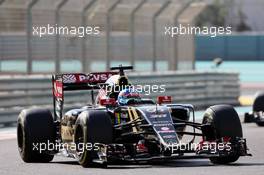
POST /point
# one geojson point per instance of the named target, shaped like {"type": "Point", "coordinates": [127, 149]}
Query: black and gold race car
{"type": "Point", "coordinates": [106, 132]}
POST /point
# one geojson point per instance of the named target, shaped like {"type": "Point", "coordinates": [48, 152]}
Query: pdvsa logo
{"type": "Point", "coordinates": [99, 77]}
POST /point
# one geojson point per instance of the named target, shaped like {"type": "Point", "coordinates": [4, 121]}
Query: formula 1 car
{"type": "Point", "coordinates": [106, 132]}
{"type": "Point", "coordinates": [257, 113]}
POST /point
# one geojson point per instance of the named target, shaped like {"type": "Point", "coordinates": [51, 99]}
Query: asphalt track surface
{"type": "Point", "coordinates": [10, 162]}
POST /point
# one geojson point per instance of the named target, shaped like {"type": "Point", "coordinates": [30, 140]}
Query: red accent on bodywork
{"type": "Point", "coordinates": [141, 147]}
{"type": "Point", "coordinates": [107, 101]}
{"type": "Point", "coordinates": [58, 89]}
{"type": "Point", "coordinates": [164, 99]}
{"type": "Point", "coordinates": [226, 139]}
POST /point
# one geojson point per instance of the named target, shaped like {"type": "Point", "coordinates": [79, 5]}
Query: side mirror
{"type": "Point", "coordinates": [108, 102]}
{"type": "Point", "coordinates": [164, 99]}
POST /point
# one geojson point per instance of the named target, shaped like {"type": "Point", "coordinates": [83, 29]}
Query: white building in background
{"type": "Point", "coordinates": [253, 11]}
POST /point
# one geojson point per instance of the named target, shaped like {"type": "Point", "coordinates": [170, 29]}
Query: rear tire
{"type": "Point", "coordinates": [258, 104]}
{"type": "Point", "coordinates": [260, 123]}
{"type": "Point", "coordinates": [92, 127]}
{"type": "Point", "coordinates": [34, 126]}
{"type": "Point", "coordinates": [248, 118]}
{"type": "Point", "coordinates": [225, 121]}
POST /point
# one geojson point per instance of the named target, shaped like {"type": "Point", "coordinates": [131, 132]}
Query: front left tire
{"type": "Point", "coordinates": [226, 123]}
{"type": "Point", "coordinates": [92, 127]}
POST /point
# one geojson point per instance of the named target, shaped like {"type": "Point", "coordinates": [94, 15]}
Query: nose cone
{"type": "Point", "coordinates": [160, 118]}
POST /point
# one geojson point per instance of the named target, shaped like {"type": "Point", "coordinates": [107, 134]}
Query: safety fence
{"type": "Point", "coordinates": [122, 25]}
{"type": "Point", "coordinates": [201, 89]}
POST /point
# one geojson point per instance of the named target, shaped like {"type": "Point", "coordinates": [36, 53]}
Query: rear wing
{"type": "Point", "coordinates": [74, 81]}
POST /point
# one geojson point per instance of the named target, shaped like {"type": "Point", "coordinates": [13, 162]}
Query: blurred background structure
{"type": "Point", "coordinates": [242, 15]}
{"type": "Point", "coordinates": [131, 32]}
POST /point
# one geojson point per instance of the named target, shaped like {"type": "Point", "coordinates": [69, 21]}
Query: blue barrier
{"type": "Point", "coordinates": [230, 47]}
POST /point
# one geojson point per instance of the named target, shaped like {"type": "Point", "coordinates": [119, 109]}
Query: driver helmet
{"type": "Point", "coordinates": [127, 95]}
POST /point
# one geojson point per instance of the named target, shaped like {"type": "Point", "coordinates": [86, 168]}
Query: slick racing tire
{"type": "Point", "coordinates": [258, 104]}
{"type": "Point", "coordinates": [225, 121]}
{"type": "Point", "coordinates": [260, 123]}
{"type": "Point", "coordinates": [92, 128]}
{"type": "Point", "coordinates": [35, 126]}
{"type": "Point", "coordinates": [248, 118]}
